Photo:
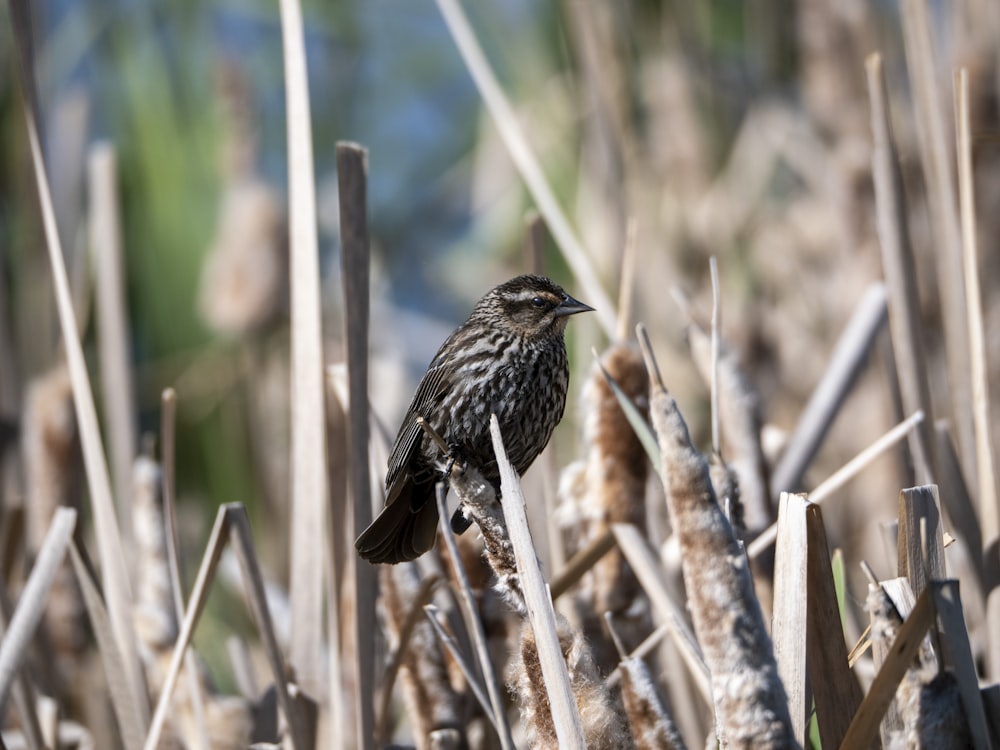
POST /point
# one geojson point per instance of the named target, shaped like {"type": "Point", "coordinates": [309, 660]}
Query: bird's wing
{"type": "Point", "coordinates": [432, 387]}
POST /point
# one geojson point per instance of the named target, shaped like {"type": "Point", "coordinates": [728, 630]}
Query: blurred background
{"type": "Point", "coordinates": [726, 128]}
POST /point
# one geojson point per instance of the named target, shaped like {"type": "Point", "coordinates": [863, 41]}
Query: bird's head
{"type": "Point", "coordinates": [533, 306]}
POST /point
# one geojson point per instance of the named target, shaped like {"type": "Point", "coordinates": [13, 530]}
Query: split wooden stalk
{"type": "Point", "coordinates": [808, 638]}
{"type": "Point", "coordinates": [900, 274]}
{"type": "Point", "coordinates": [916, 505]}
{"type": "Point", "coordinates": [750, 700]}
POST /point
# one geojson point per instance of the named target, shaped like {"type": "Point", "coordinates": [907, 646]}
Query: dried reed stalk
{"type": "Point", "coordinates": [232, 526]}
{"type": "Point", "coordinates": [921, 537]}
{"type": "Point", "coordinates": [989, 503]}
{"type": "Point", "coordinates": [527, 163]}
{"type": "Point", "coordinates": [14, 646]}
{"type": "Point", "coordinates": [845, 365]}
{"type": "Point", "coordinates": [750, 701]}
{"type": "Point", "coordinates": [942, 200]}
{"type": "Point", "coordinates": [352, 179]}
{"type": "Point", "coordinates": [900, 274]}
{"type": "Point", "coordinates": [740, 422]}
{"type": "Point", "coordinates": [308, 455]}
{"type": "Point", "coordinates": [649, 720]}
{"type": "Point", "coordinates": [113, 569]}
{"type": "Point", "coordinates": [431, 702]}
{"type": "Point", "coordinates": [808, 637]}
{"type": "Point", "coordinates": [470, 615]}
{"type": "Point", "coordinates": [112, 321]}
{"type": "Point", "coordinates": [546, 721]}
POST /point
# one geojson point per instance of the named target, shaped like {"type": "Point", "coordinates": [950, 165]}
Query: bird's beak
{"type": "Point", "coordinates": [570, 306]}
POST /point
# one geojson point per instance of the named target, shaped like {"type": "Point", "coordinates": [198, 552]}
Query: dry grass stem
{"type": "Point", "coordinates": [900, 273]}
{"type": "Point", "coordinates": [936, 160]}
{"type": "Point", "coordinates": [114, 572]}
{"type": "Point", "coordinates": [112, 321]}
{"type": "Point", "coordinates": [31, 606]}
{"type": "Point", "coordinates": [650, 574]}
{"type": "Point", "coordinates": [626, 285]}
{"type": "Point", "coordinates": [750, 701]}
{"type": "Point", "coordinates": [740, 418]}
{"type": "Point", "coordinates": [352, 180]}
{"type": "Point", "coordinates": [840, 477]}
{"type": "Point", "coordinates": [824, 404]}
{"type": "Point", "coordinates": [989, 503]}
{"type": "Point", "coordinates": [308, 450]}
{"type": "Point", "coordinates": [431, 702]}
{"type": "Point", "coordinates": [527, 163]}
{"type": "Point", "coordinates": [124, 702]}
{"type": "Point", "coordinates": [470, 615]}
{"type": "Point", "coordinates": [456, 653]}
{"type": "Point", "coordinates": [580, 563]}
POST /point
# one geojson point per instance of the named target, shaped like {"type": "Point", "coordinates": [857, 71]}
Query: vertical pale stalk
{"type": "Point", "coordinates": [112, 322]}
{"type": "Point", "coordinates": [900, 273]}
{"type": "Point", "coordinates": [541, 616]}
{"type": "Point", "coordinates": [309, 490]}
{"type": "Point", "coordinates": [935, 157]}
{"type": "Point", "coordinates": [352, 180]}
{"type": "Point", "coordinates": [109, 543]}
{"type": "Point", "coordinates": [989, 511]}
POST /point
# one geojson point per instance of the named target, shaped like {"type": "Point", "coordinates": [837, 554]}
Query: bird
{"type": "Point", "coordinates": [509, 359]}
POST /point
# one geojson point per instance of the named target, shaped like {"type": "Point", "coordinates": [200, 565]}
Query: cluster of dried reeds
{"type": "Point", "coordinates": [698, 603]}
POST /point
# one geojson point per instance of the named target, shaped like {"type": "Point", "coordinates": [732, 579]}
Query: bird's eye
{"type": "Point", "coordinates": [538, 302]}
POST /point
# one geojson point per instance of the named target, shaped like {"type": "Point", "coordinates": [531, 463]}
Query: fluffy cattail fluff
{"type": "Point", "coordinates": [649, 721]}
{"type": "Point", "coordinates": [727, 490]}
{"type": "Point", "coordinates": [750, 702]}
{"type": "Point", "coordinates": [601, 723]}
{"type": "Point", "coordinates": [431, 703]}
{"type": "Point", "coordinates": [245, 277]}
{"type": "Point", "coordinates": [228, 720]}
{"type": "Point", "coordinates": [616, 470]}
{"type": "Point", "coordinates": [51, 451]}
{"type": "Point", "coordinates": [608, 487]}
{"type": "Point", "coordinates": [480, 501]}
{"type": "Point", "coordinates": [154, 615]}
{"type": "Point", "coordinates": [927, 711]}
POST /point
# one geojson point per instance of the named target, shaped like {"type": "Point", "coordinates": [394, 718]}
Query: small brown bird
{"type": "Point", "coordinates": [508, 358]}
